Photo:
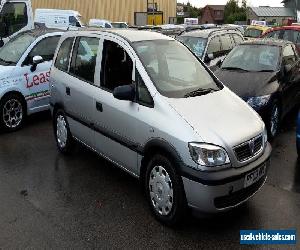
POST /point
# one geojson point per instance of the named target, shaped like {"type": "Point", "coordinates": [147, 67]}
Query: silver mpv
{"type": "Point", "coordinates": [144, 102]}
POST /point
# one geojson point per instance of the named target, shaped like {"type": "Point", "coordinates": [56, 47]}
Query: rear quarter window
{"type": "Point", "coordinates": [63, 56]}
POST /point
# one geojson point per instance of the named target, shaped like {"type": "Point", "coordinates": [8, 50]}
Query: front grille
{"type": "Point", "coordinates": [249, 149]}
{"type": "Point", "coordinates": [239, 196]}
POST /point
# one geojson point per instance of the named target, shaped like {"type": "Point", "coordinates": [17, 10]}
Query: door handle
{"type": "Point", "coordinates": [99, 106]}
{"type": "Point", "coordinates": [68, 91]}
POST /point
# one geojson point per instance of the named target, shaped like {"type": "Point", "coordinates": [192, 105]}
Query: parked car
{"type": "Point", "coordinates": [255, 31]}
{"type": "Point", "coordinates": [25, 63]}
{"type": "Point", "coordinates": [58, 19]}
{"type": "Point", "coordinates": [265, 73]}
{"type": "Point", "coordinates": [211, 45]}
{"type": "Point", "coordinates": [100, 23]}
{"type": "Point", "coordinates": [120, 25]}
{"type": "Point", "coordinates": [289, 33]}
{"type": "Point", "coordinates": [148, 105]}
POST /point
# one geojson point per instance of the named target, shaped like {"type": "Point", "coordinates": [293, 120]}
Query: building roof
{"type": "Point", "coordinates": [273, 11]}
{"type": "Point", "coordinates": [217, 7]}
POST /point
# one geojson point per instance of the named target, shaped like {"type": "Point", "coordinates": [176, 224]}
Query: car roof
{"type": "Point", "coordinates": [37, 32]}
{"type": "Point", "coordinates": [292, 27]}
{"type": "Point", "coordinates": [258, 27]}
{"type": "Point", "coordinates": [267, 41]}
{"type": "Point", "coordinates": [208, 32]}
{"type": "Point", "coordinates": [131, 35]}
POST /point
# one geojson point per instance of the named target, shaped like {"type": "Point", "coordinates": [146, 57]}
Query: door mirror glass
{"type": "Point", "coordinates": [125, 92]}
{"type": "Point", "coordinates": [36, 60]}
{"type": "Point", "coordinates": [211, 56]}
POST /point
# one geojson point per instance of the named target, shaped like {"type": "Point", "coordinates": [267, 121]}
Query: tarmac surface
{"type": "Point", "coordinates": [48, 200]}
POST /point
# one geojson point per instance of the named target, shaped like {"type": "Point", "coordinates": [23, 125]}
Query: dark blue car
{"type": "Point", "coordinates": [298, 134]}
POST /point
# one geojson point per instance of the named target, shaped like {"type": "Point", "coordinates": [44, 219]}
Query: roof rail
{"type": "Point", "coordinates": [223, 29]}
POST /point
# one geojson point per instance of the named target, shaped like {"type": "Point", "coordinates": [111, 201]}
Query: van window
{"type": "Point", "coordinates": [84, 58]}
{"type": "Point", "coordinates": [63, 56]}
{"type": "Point", "coordinates": [117, 66]}
{"type": "Point", "coordinates": [14, 15]}
{"type": "Point", "coordinates": [74, 22]}
{"type": "Point", "coordinates": [45, 48]}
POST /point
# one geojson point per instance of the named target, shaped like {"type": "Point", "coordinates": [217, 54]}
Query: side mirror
{"type": "Point", "coordinates": [211, 56]}
{"type": "Point", "coordinates": [36, 60]}
{"type": "Point", "coordinates": [125, 92]}
{"type": "Point", "coordinates": [208, 58]}
{"type": "Point", "coordinates": [219, 63]}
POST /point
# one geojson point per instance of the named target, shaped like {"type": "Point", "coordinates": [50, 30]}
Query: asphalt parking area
{"type": "Point", "coordinates": [48, 200]}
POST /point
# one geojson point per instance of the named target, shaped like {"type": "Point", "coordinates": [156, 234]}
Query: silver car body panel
{"type": "Point", "coordinates": [123, 130]}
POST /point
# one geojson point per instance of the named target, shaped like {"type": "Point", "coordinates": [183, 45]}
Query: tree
{"type": "Point", "coordinates": [233, 12]}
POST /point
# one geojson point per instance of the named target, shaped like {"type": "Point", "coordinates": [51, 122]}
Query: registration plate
{"type": "Point", "coordinates": [255, 176]}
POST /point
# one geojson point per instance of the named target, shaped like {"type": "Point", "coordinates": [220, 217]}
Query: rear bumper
{"type": "Point", "coordinates": [223, 195]}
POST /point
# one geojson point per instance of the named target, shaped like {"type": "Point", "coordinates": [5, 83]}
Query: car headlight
{"type": "Point", "coordinates": [208, 155]}
{"type": "Point", "coordinates": [258, 101]}
{"type": "Point", "coordinates": [265, 135]}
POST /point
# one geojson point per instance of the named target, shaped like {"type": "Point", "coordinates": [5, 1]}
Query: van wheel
{"type": "Point", "coordinates": [164, 190]}
{"type": "Point", "coordinates": [12, 112]}
{"type": "Point", "coordinates": [64, 139]}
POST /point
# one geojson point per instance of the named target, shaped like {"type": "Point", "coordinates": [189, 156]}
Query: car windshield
{"type": "Point", "coordinates": [12, 51]}
{"type": "Point", "coordinates": [174, 70]}
{"type": "Point", "coordinates": [195, 44]}
{"type": "Point", "coordinates": [255, 33]}
{"type": "Point", "coordinates": [255, 58]}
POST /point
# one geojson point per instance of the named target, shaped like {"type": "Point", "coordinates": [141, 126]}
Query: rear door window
{"type": "Point", "coordinates": [84, 58]}
{"type": "Point", "coordinates": [226, 43]}
{"type": "Point", "coordinates": [63, 56]}
{"type": "Point", "coordinates": [273, 34]}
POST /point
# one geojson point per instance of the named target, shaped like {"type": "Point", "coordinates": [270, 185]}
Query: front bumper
{"type": "Point", "coordinates": [215, 195]}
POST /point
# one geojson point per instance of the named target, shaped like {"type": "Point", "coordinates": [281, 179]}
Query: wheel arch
{"type": "Point", "coordinates": [159, 146]}
{"type": "Point", "coordinates": [16, 92]}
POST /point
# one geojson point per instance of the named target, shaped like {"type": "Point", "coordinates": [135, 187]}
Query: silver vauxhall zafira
{"type": "Point", "coordinates": [144, 102]}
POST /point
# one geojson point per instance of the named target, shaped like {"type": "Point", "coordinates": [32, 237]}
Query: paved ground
{"type": "Point", "coordinates": [51, 201]}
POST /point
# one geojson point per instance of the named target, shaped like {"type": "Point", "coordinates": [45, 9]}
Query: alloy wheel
{"type": "Point", "coordinates": [12, 113]}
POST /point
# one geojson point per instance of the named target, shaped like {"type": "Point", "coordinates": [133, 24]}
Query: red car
{"type": "Point", "coordinates": [290, 33]}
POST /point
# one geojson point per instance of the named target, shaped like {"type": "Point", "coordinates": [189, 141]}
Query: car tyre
{"type": "Point", "coordinates": [274, 121]}
{"type": "Point", "coordinates": [164, 190]}
{"type": "Point", "coordinates": [12, 112]}
{"type": "Point", "coordinates": [63, 136]}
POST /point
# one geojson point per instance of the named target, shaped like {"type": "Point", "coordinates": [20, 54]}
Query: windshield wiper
{"type": "Point", "coordinates": [200, 92]}
{"type": "Point", "coordinates": [235, 68]}
{"type": "Point", "coordinates": [266, 70]}
{"type": "Point", "coordinates": [7, 62]}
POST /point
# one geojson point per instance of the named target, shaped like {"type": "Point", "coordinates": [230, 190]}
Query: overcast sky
{"type": "Point", "coordinates": [255, 3]}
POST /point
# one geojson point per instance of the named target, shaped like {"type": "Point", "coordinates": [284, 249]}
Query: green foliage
{"type": "Point", "coordinates": [233, 12]}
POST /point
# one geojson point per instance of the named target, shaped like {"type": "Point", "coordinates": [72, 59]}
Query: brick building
{"type": "Point", "coordinates": [213, 14]}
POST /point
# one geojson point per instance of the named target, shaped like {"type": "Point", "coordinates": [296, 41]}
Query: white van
{"type": "Point", "coordinates": [61, 19]}
{"type": "Point", "coordinates": [100, 23]}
